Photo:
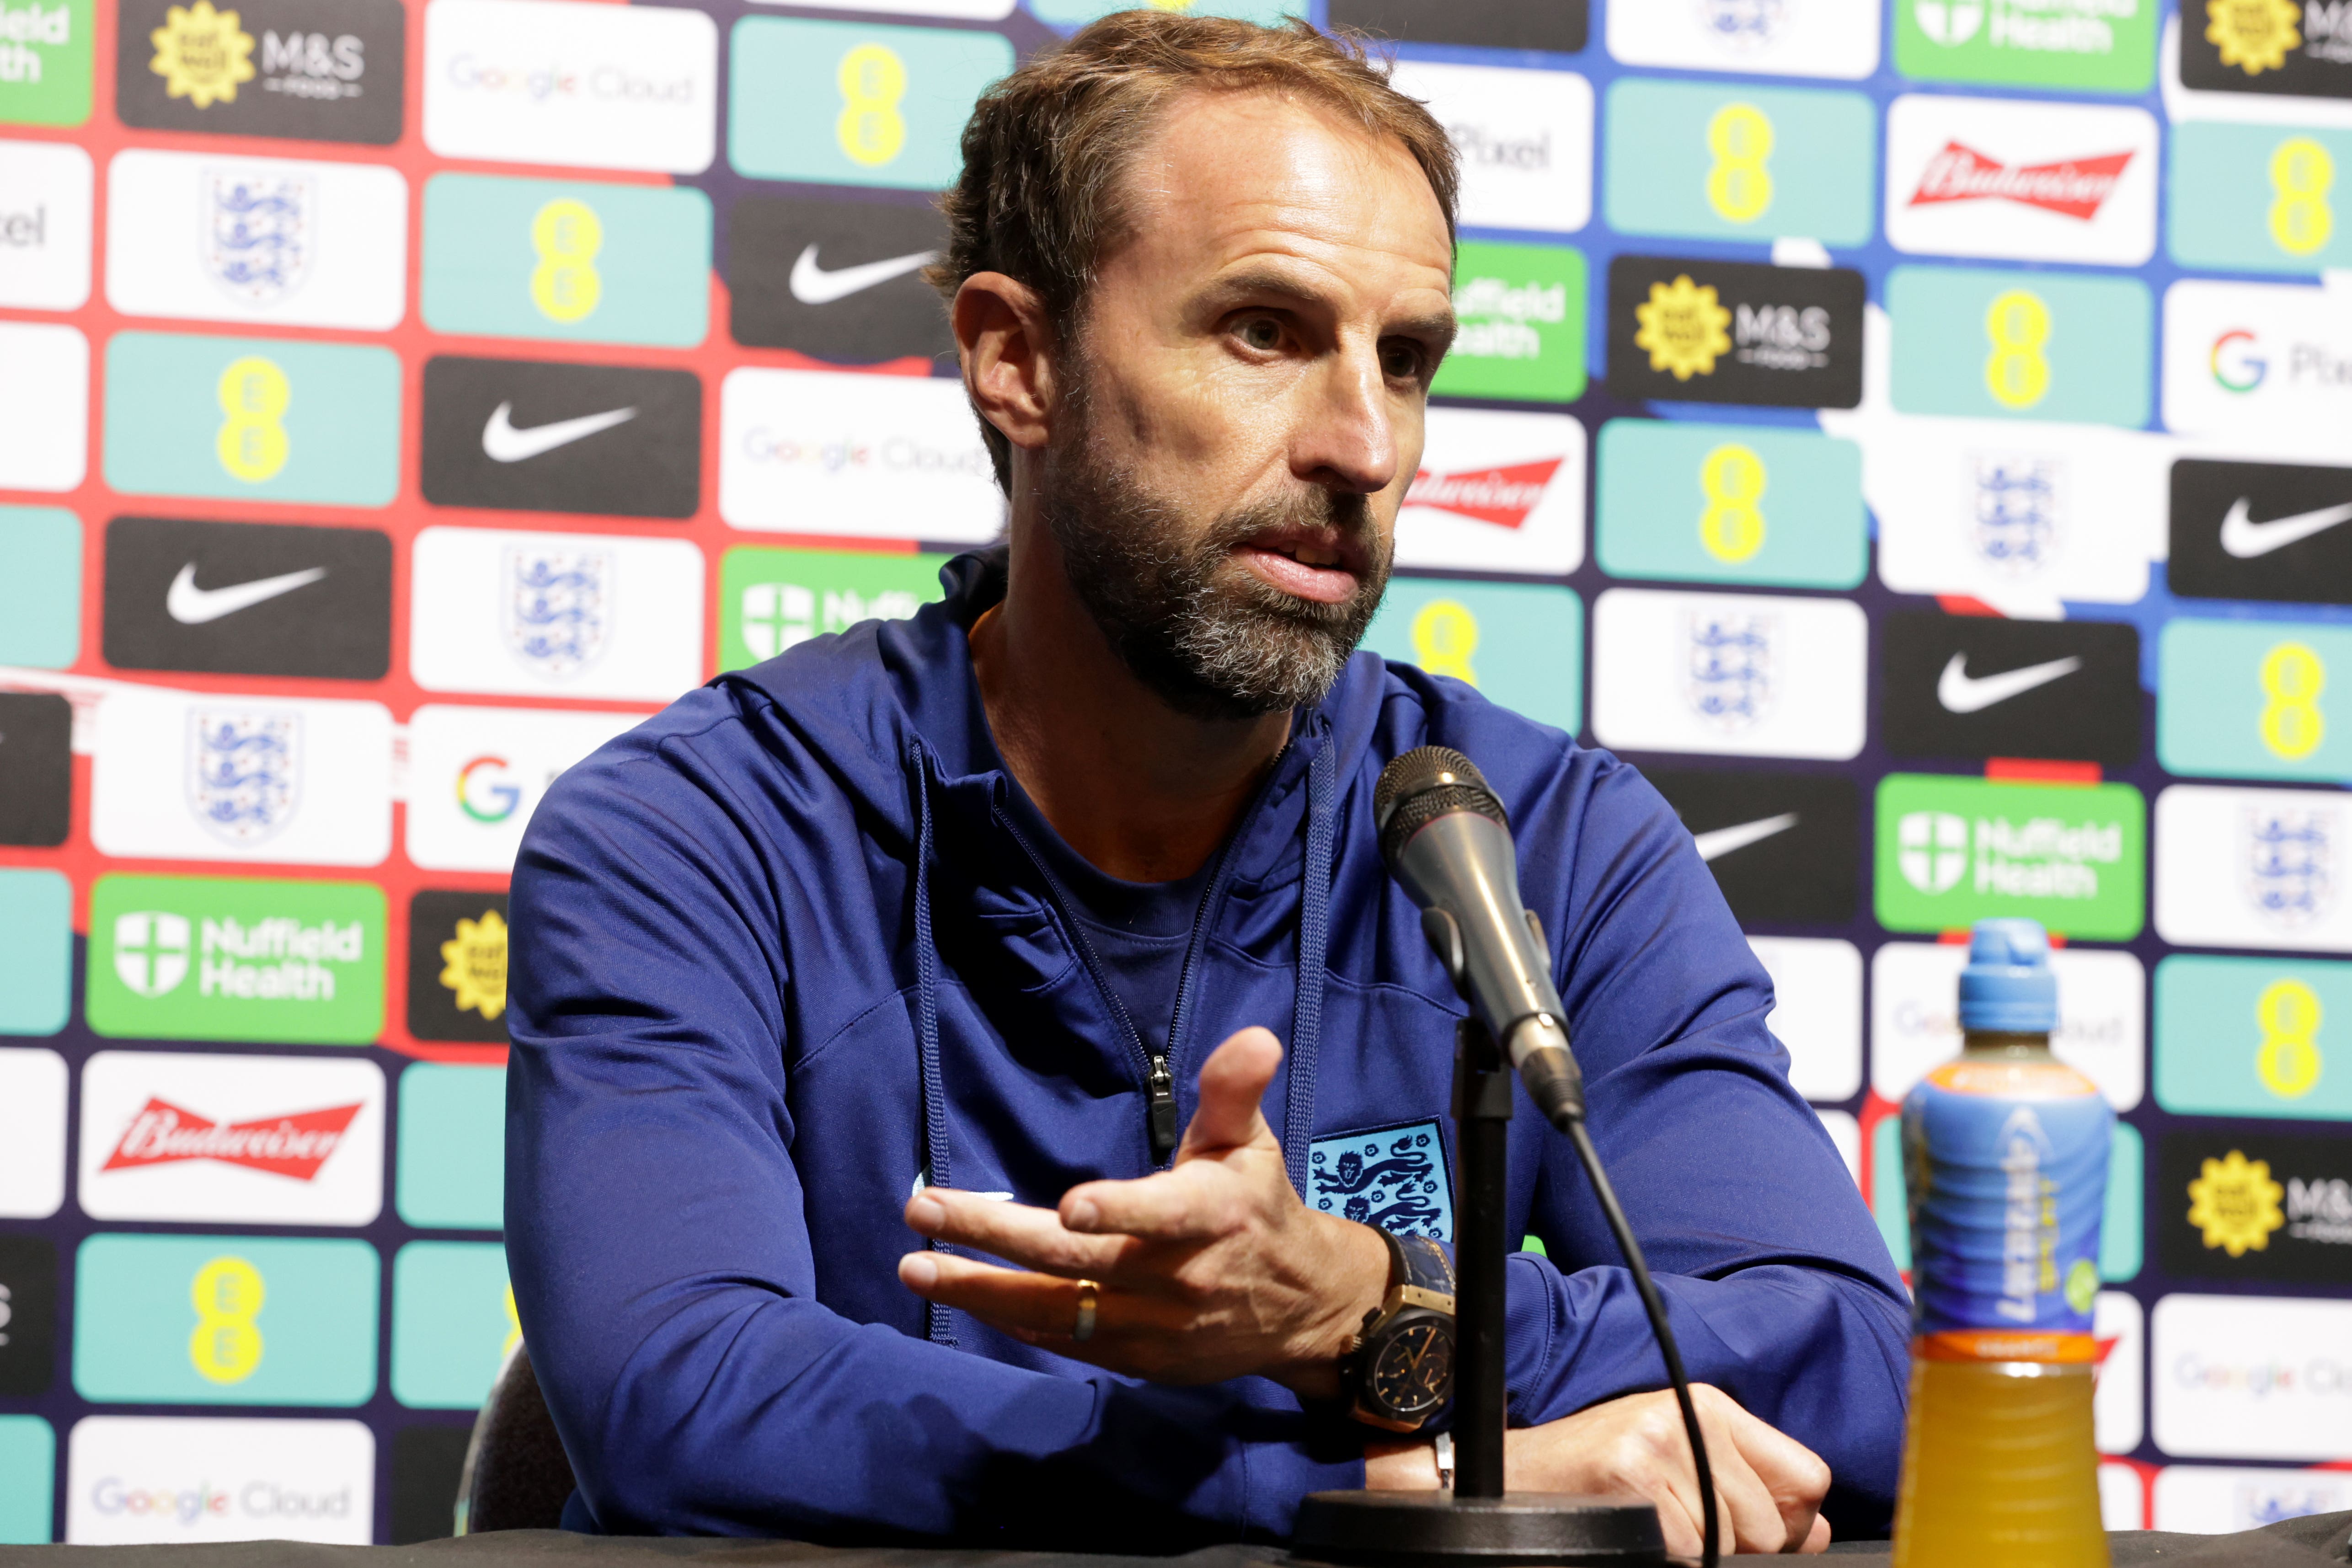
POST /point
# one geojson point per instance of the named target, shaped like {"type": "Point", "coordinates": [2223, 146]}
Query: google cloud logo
{"type": "Point", "coordinates": [2235, 363]}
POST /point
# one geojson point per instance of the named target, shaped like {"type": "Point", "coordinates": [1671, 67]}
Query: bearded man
{"type": "Point", "coordinates": [974, 1078]}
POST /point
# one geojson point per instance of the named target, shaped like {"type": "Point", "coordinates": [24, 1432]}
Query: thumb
{"type": "Point", "coordinates": [1232, 1087]}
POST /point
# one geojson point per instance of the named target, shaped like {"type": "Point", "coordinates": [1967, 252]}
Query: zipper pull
{"type": "Point", "coordinates": [1163, 1109]}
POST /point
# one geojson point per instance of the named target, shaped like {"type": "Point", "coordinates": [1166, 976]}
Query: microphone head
{"type": "Point", "coordinates": [1427, 783]}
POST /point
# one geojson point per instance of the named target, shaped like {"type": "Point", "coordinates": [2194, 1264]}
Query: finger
{"type": "Point", "coordinates": [1748, 1519]}
{"type": "Point", "coordinates": [1233, 1093]}
{"type": "Point", "coordinates": [1183, 1204]}
{"type": "Point", "coordinates": [1796, 1476]}
{"type": "Point", "coordinates": [1817, 1538]}
{"type": "Point", "coordinates": [1018, 1233]}
{"type": "Point", "coordinates": [1009, 1298]}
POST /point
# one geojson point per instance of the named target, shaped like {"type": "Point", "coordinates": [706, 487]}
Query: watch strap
{"type": "Point", "coordinates": [1423, 1264]}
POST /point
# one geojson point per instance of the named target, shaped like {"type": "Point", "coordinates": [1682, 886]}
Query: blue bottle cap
{"type": "Point", "coordinates": [2006, 988]}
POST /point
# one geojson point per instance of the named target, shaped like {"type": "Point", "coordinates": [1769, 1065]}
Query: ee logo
{"type": "Point", "coordinates": [2016, 373]}
{"type": "Point", "coordinates": [2293, 678]}
{"type": "Point", "coordinates": [566, 234]}
{"type": "Point", "coordinates": [1444, 636]}
{"type": "Point", "coordinates": [228, 1294]}
{"type": "Point", "coordinates": [253, 393]}
{"type": "Point", "coordinates": [873, 80]}
{"type": "Point", "coordinates": [1732, 476]}
{"type": "Point", "coordinates": [1739, 185]}
{"type": "Point", "coordinates": [2301, 173]}
{"type": "Point", "coordinates": [2288, 1012]}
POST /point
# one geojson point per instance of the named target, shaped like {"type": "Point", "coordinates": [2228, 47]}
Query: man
{"type": "Point", "coordinates": [860, 998]}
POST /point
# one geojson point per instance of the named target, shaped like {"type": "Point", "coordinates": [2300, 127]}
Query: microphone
{"type": "Point", "coordinates": [1447, 840]}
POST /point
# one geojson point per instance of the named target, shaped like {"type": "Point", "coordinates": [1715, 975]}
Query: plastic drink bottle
{"type": "Point", "coordinates": [2005, 1157]}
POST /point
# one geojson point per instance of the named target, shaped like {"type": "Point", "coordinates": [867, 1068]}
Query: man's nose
{"type": "Point", "coordinates": [1346, 436]}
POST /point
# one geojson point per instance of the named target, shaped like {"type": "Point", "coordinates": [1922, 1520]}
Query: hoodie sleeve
{"type": "Point", "coordinates": [662, 1270]}
{"type": "Point", "coordinates": [1779, 1286]}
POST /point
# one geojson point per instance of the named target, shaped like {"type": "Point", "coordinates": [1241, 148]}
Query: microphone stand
{"type": "Point", "coordinates": [1477, 1521]}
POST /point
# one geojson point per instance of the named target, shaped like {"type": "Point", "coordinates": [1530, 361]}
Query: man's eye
{"type": "Point", "coordinates": [1401, 361]}
{"type": "Point", "coordinates": [1262, 334]}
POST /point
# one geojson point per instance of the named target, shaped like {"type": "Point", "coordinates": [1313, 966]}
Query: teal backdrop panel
{"type": "Point", "coordinates": [2059, 346]}
{"type": "Point", "coordinates": [2255, 700]}
{"type": "Point", "coordinates": [451, 1321]}
{"type": "Point", "coordinates": [565, 258]}
{"type": "Point", "coordinates": [224, 1320]}
{"type": "Point", "coordinates": [856, 103]}
{"type": "Point", "coordinates": [1522, 644]}
{"type": "Point", "coordinates": [1709, 161]}
{"type": "Point", "coordinates": [451, 1168]}
{"type": "Point", "coordinates": [2260, 198]}
{"type": "Point", "coordinates": [252, 419]}
{"type": "Point", "coordinates": [1076, 13]}
{"type": "Point", "coordinates": [1685, 502]}
{"type": "Point", "coordinates": [35, 950]}
{"type": "Point", "coordinates": [29, 1477]}
{"type": "Point", "coordinates": [40, 593]}
{"type": "Point", "coordinates": [2253, 1037]}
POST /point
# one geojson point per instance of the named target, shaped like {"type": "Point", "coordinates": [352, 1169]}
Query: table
{"type": "Point", "coordinates": [2293, 1543]}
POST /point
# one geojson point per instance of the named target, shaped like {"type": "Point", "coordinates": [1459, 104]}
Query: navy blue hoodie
{"type": "Point", "coordinates": [781, 953]}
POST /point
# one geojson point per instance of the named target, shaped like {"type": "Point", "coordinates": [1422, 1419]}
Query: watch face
{"type": "Point", "coordinates": [1412, 1373]}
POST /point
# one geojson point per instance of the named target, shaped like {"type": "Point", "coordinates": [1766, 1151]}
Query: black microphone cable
{"type": "Point", "coordinates": [1710, 1539]}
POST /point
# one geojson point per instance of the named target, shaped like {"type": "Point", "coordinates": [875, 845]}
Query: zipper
{"type": "Point", "coordinates": [1159, 1078]}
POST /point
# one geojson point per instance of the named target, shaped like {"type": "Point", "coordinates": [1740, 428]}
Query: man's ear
{"type": "Point", "coordinates": [1006, 345]}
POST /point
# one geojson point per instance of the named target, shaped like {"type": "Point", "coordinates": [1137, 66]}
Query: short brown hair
{"type": "Point", "coordinates": [1045, 147]}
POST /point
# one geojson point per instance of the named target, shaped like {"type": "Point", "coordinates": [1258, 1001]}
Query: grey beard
{"type": "Point", "coordinates": [1212, 638]}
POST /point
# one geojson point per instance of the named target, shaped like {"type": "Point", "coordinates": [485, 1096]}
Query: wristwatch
{"type": "Point", "coordinates": [1399, 1368]}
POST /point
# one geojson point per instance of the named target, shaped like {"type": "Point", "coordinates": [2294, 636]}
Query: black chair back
{"type": "Point", "coordinates": [517, 1475]}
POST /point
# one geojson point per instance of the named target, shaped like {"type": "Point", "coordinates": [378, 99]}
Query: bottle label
{"type": "Point", "coordinates": [2007, 1166]}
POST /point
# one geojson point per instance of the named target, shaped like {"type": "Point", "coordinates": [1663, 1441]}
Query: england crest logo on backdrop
{"type": "Point", "coordinates": [1744, 24]}
{"type": "Point", "coordinates": [554, 608]}
{"type": "Point", "coordinates": [1392, 1178]}
{"type": "Point", "coordinates": [245, 771]}
{"type": "Point", "coordinates": [256, 231]}
{"type": "Point", "coordinates": [1728, 676]}
{"type": "Point", "coordinates": [2016, 520]}
{"type": "Point", "coordinates": [2289, 864]}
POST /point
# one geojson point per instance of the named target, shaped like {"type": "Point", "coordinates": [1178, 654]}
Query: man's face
{"type": "Point", "coordinates": [1244, 409]}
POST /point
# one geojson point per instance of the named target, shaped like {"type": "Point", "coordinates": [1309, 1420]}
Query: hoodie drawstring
{"type": "Point", "coordinates": [1314, 952]}
{"type": "Point", "coordinates": [936, 1317]}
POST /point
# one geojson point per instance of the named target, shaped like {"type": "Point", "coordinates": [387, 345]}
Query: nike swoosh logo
{"type": "Point", "coordinates": [812, 285]}
{"type": "Point", "coordinates": [1719, 842]}
{"type": "Point", "coordinates": [502, 443]}
{"type": "Point", "coordinates": [193, 607]}
{"type": "Point", "coordinates": [2244, 538]}
{"type": "Point", "coordinates": [1961, 694]}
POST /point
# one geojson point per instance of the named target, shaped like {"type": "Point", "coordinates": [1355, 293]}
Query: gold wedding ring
{"type": "Point", "coordinates": [1089, 1291]}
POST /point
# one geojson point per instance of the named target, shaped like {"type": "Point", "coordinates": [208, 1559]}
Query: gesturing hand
{"type": "Point", "coordinates": [1210, 1269]}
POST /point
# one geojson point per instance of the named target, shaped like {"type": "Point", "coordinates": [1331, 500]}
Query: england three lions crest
{"type": "Point", "coordinates": [245, 771]}
{"type": "Point", "coordinates": [257, 226]}
{"type": "Point", "coordinates": [1729, 667]}
{"type": "Point", "coordinates": [554, 608]}
{"type": "Point", "coordinates": [2289, 864]}
{"type": "Point", "coordinates": [2016, 520]}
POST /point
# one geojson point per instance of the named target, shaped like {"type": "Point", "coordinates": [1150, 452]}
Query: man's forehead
{"type": "Point", "coordinates": [1236, 174]}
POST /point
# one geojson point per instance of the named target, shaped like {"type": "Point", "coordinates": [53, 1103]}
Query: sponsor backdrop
{"type": "Point", "coordinates": [1914, 431]}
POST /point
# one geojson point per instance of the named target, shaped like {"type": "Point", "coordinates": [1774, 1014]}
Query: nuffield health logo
{"type": "Point", "coordinates": [1953, 850]}
{"type": "Point", "coordinates": [197, 958]}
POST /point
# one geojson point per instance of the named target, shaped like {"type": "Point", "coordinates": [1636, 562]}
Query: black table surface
{"type": "Point", "coordinates": [2291, 1543]}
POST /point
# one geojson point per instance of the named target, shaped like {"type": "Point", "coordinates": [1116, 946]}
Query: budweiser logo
{"type": "Point", "coordinates": [294, 1145]}
{"type": "Point", "coordinates": [1502, 496]}
{"type": "Point", "coordinates": [2076, 187]}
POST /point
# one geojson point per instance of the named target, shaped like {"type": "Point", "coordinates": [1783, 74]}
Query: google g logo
{"type": "Point", "coordinates": [483, 791]}
{"type": "Point", "coordinates": [2235, 363]}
